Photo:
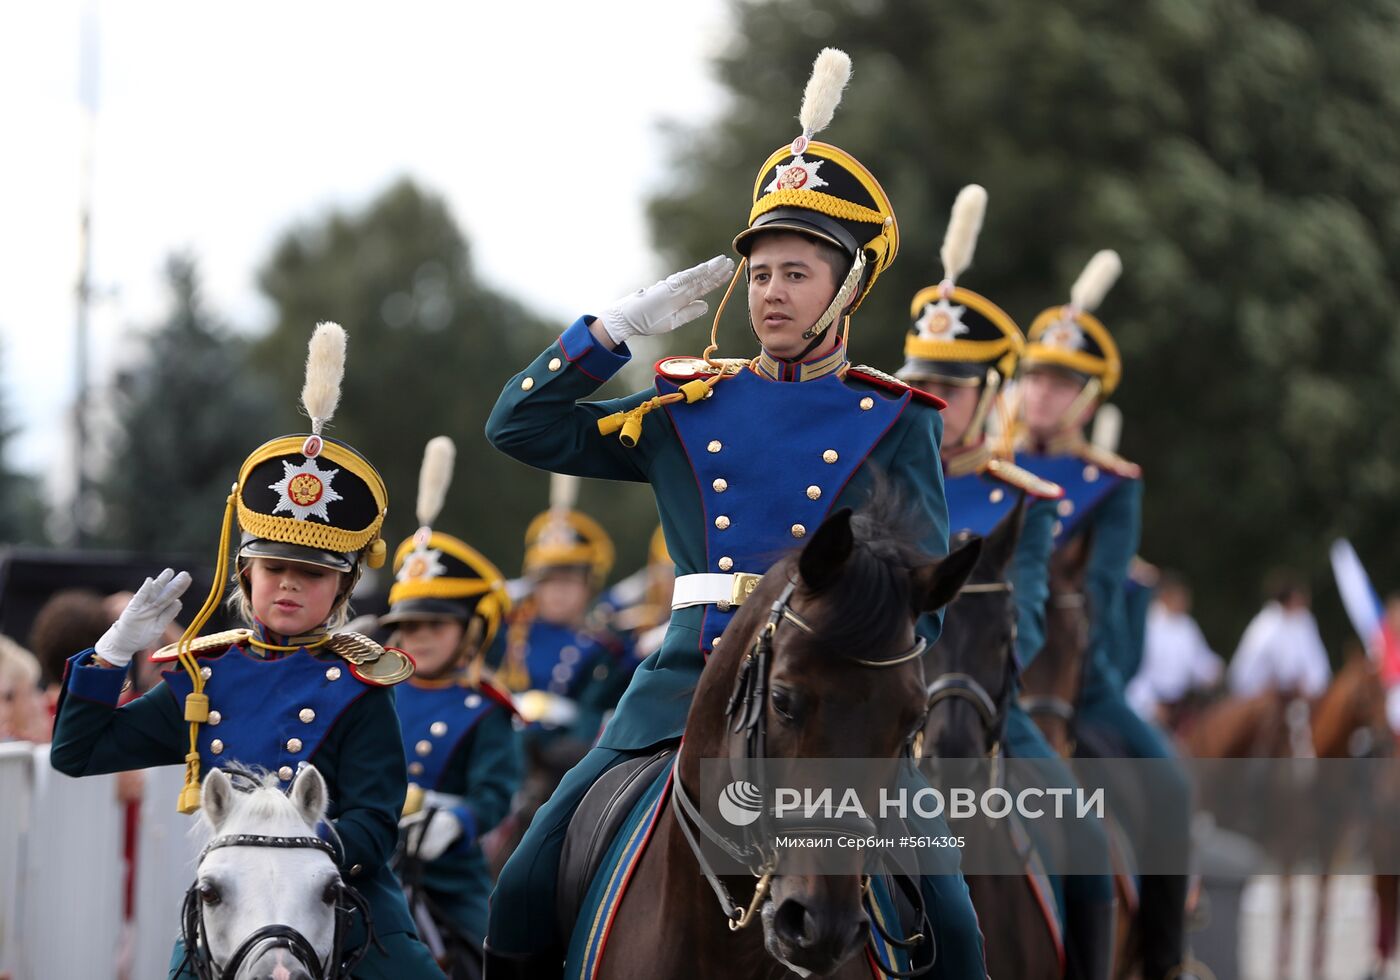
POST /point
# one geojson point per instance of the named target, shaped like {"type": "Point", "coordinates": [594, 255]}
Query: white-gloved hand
{"type": "Point", "coordinates": [673, 302]}
{"type": "Point", "coordinates": [437, 834]}
{"type": "Point", "coordinates": [154, 607]}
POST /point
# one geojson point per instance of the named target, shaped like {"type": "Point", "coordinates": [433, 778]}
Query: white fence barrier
{"type": "Point", "coordinates": [62, 872]}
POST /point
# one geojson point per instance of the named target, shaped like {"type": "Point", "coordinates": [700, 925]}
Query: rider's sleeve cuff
{"type": "Point", "coordinates": [585, 353]}
{"type": "Point", "coordinates": [467, 819]}
{"type": "Point", "coordinates": [87, 680]}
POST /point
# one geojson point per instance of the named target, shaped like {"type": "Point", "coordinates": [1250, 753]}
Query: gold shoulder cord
{"type": "Point", "coordinates": [630, 422]}
{"type": "Point", "coordinates": [197, 702]}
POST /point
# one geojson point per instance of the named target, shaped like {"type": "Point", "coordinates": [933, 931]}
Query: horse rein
{"type": "Point", "coordinates": [1052, 704]}
{"type": "Point", "coordinates": [748, 707]}
{"type": "Point", "coordinates": [276, 936]}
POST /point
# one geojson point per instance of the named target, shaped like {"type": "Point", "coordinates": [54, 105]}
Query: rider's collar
{"type": "Point", "coordinates": [962, 460]}
{"type": "Point", "coordinates": [270, 644]}
{"type": "Point", "coordinates": [1066, 443]}
{"type": "Point", "coordinates": [776, 369]}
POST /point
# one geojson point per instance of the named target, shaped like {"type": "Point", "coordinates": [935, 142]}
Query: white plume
{"type": "Point", "coordinates": [1096, 280]}
{"type": "Point", "coordinates": [1108, 427]}
{"type": "Point", "coordinates": [325, 366]}
{"type": "Point", "coordinates": [434, 478]}
{"type": "Point", "coordinates": [830, 73]}
{"type": "Point", "coordinates": [563, 491]}
{"type": "Point", "coordinates": [960, 241]}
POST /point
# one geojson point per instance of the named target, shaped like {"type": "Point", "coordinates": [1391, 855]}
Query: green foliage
{"type": "Point", "coordinates": [429, 348]}
{"type": "Point", "coordinates": [186, 415]}
{"type": "Point", "coordinates": [1240, 157]}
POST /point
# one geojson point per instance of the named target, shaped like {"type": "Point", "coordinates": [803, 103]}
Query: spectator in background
{"type": "Point", "coordinates": [71, 619]}
{"type": "Point", "coordinates": [1282, 650]}
{"type": "Point", "coordinates": [23, 717]}
{"type": "Point", "coordinates": [1176, 658]}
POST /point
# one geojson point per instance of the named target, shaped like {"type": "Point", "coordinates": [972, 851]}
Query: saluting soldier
{"type": "Point", "coordinates": [745, 457]}
{"type": "Point", "coordinates": [963, 348]}
{"type": "Point", "coordinates": [284, 691]}
{"type": "Point", "coordinates": [559, 665]}
{"type": "Point", "coordinates": [445, 608]}
{"type": "Point", "coordinates": [1070, 367]}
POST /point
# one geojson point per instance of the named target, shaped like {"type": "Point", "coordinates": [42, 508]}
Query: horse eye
{"type": "Point", "coordinates": [782, 702]}
{"type": "Point", "coordinates": [332, 893]}
{"type": "Point", "coordinates": [209, 895]}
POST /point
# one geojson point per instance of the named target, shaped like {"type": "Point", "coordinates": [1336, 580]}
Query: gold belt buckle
{"type": "Point", "coordinates": [743, 585]}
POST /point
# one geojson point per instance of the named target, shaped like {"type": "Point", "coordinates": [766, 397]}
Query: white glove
{"type": "Point", "coordinates": [666, 305]}
{"type": "Point", "coordinates": [437, 836]}
{"type": "Point", "coordinates": [154, 607]}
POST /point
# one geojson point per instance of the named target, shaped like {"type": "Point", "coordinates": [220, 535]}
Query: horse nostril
{"type": "Point", "coordinates": [793, 923]}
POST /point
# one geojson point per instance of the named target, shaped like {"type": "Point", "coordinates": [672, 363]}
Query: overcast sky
{"type": "Point", "coordinates": [218, 125]}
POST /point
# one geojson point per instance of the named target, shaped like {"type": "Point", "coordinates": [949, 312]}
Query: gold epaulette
{"type": "Point", "coordinates": [686, 368]}
{"type": "Point", "coordinates": [1110, 461]}
{"type": "Point", "coordinates": [864, 372]}
{"type": "Point", "coordinates": [370, 662]}
{"type": "Point", "coordinates": [204, 644]}
{"type": "Point", "coordinates": [1022, 479]}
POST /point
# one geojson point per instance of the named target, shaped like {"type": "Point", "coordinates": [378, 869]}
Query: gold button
{"type": "Point", "coordinates": [720, 485]}
{"type": "Point", "coordinates": [866, 404]}
{"type": "Point", "coordinates": [415, 768]}
{"type": "Point", "coordinates": [798, 530]}
{"type": "Point", "coordinates": [715, 446]}
{"type": "Point", "coordinates": [830, 456]}
{"type": "Point", "coordinates": [423, 747]}
{"type": "Point", "coordinates": [332, 673]}
{"type": "Point", "coordinates": [721, 522]}
{"type": "Point", "coordinates": [356, 869]}
{"type": "Point", "coordinates": [996, 495]}
{"type": "Point", "coordinates": [814, 492]}
{"type": "Point", "coordinates": [555, 364]}
{"type": "Point", "coordinates": [217, 746]}
{"type": "Point", "coordinates": [527, 384]}
{"type": "Point", "coordinates": [726, 563]}
{"type": "Point", "coordinates": [716, 641]}
{"type": "Point", "coordinates": [306, 715]}
{"type": "Point", "coordinates": [215, 717]}
{"type": "Point", "coordinates": [438, 728]}
{"type": "Point", "coordinates": [1066, 508]}
{"type": "Point", "coordinates": [293, 745]}
{"type": "Point", "coordinates": [285, 773]}
{"type": "Point", "coordinates": [1091, 473]}
{"type": "Point", "coordinates": [206, 672]}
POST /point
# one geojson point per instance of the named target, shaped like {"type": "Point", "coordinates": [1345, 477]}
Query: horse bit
{"type": "Point", "coordinates": [748, 708]}
{"type": "Point", "coordinates": [276, 936]}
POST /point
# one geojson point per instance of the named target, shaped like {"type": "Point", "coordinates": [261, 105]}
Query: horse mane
{"type": "Point", "coordinates": [869, 603]}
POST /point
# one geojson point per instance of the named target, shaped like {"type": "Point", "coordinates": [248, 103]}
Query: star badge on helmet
{"type": "Point", "coordinates": [941, 320]}
{"type": "Point", "coordinates": [305, 490]}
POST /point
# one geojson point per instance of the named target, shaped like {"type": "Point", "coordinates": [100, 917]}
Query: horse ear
{"type": "Point", "coordinates": [823, 557]}
{"type": "Point", "coordinates": [937, 584]}
{"type": "Point", "coordinates": [309, 795]}
{"type": "Point", "coordinates": [1000, 545]}
{"type": "Point", "coordinates": [216, 798]}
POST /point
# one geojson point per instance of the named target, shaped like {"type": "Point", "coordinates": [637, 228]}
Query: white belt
{"type": "Point", "coordinates": [710, 588]}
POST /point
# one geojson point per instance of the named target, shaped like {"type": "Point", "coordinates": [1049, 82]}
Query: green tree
{"type": "Point", "coordinates": [430, 347]}
{"type": "Point", "coordinates": [186, 415]}
{"type": "Point", "coordinates": [21, 506]}
{"type": "Point", "coordinates": [1241, 159]}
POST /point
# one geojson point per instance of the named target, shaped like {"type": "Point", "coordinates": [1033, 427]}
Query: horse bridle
{"type": "Point", "coordinates": [1052, 704]}
{"type": "Point", "coordinates": [956, 685]}
{"type": "Point", "coordinates": [747, 707]}
{"type": "Point", "coordinates": [349, 903]}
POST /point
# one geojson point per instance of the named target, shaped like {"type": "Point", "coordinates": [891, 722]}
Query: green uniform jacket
{"type": "Point", "coordinates": [541, 420]}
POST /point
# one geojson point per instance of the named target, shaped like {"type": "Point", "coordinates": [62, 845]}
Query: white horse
{"type": "Point", "coordinates": [268, 900]}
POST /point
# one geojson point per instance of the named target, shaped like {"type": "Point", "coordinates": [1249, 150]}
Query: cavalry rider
{"type": "Point", "coordinates": [1071, 364]}
{"type": "Point", "coordinates": [963, 348]}
{"type": "Point", "coordinates": [445, 608]}
{"type": "Point", "coordinates": [284, 691]}
{"type": "Point", "coordinates": [745, 458]}
{"type": "Point", "coordinates": [560, 666]}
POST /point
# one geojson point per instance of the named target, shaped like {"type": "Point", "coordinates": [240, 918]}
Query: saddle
{"type": "Point", "coordinates": [594, 825]}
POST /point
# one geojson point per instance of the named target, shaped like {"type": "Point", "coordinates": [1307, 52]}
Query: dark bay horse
{"type": "Point", "coordinates": [971, 675]}
{"type": "Point", "coordinates": [821, 661]}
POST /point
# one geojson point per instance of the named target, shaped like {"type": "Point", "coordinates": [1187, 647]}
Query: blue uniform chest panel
{"type": "Point", "coordinates": [977, 502]}
{"type": "Point", "coordinates": [560, 659]}
{"type": "Point", "coordinates": [758, 447]}
{"type": "Point", "coordinates": [1086, 486]}
{"type": "Point", "coordinates": [434, 721]}
{"type": "Point", "coordinates": [271, 713]}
